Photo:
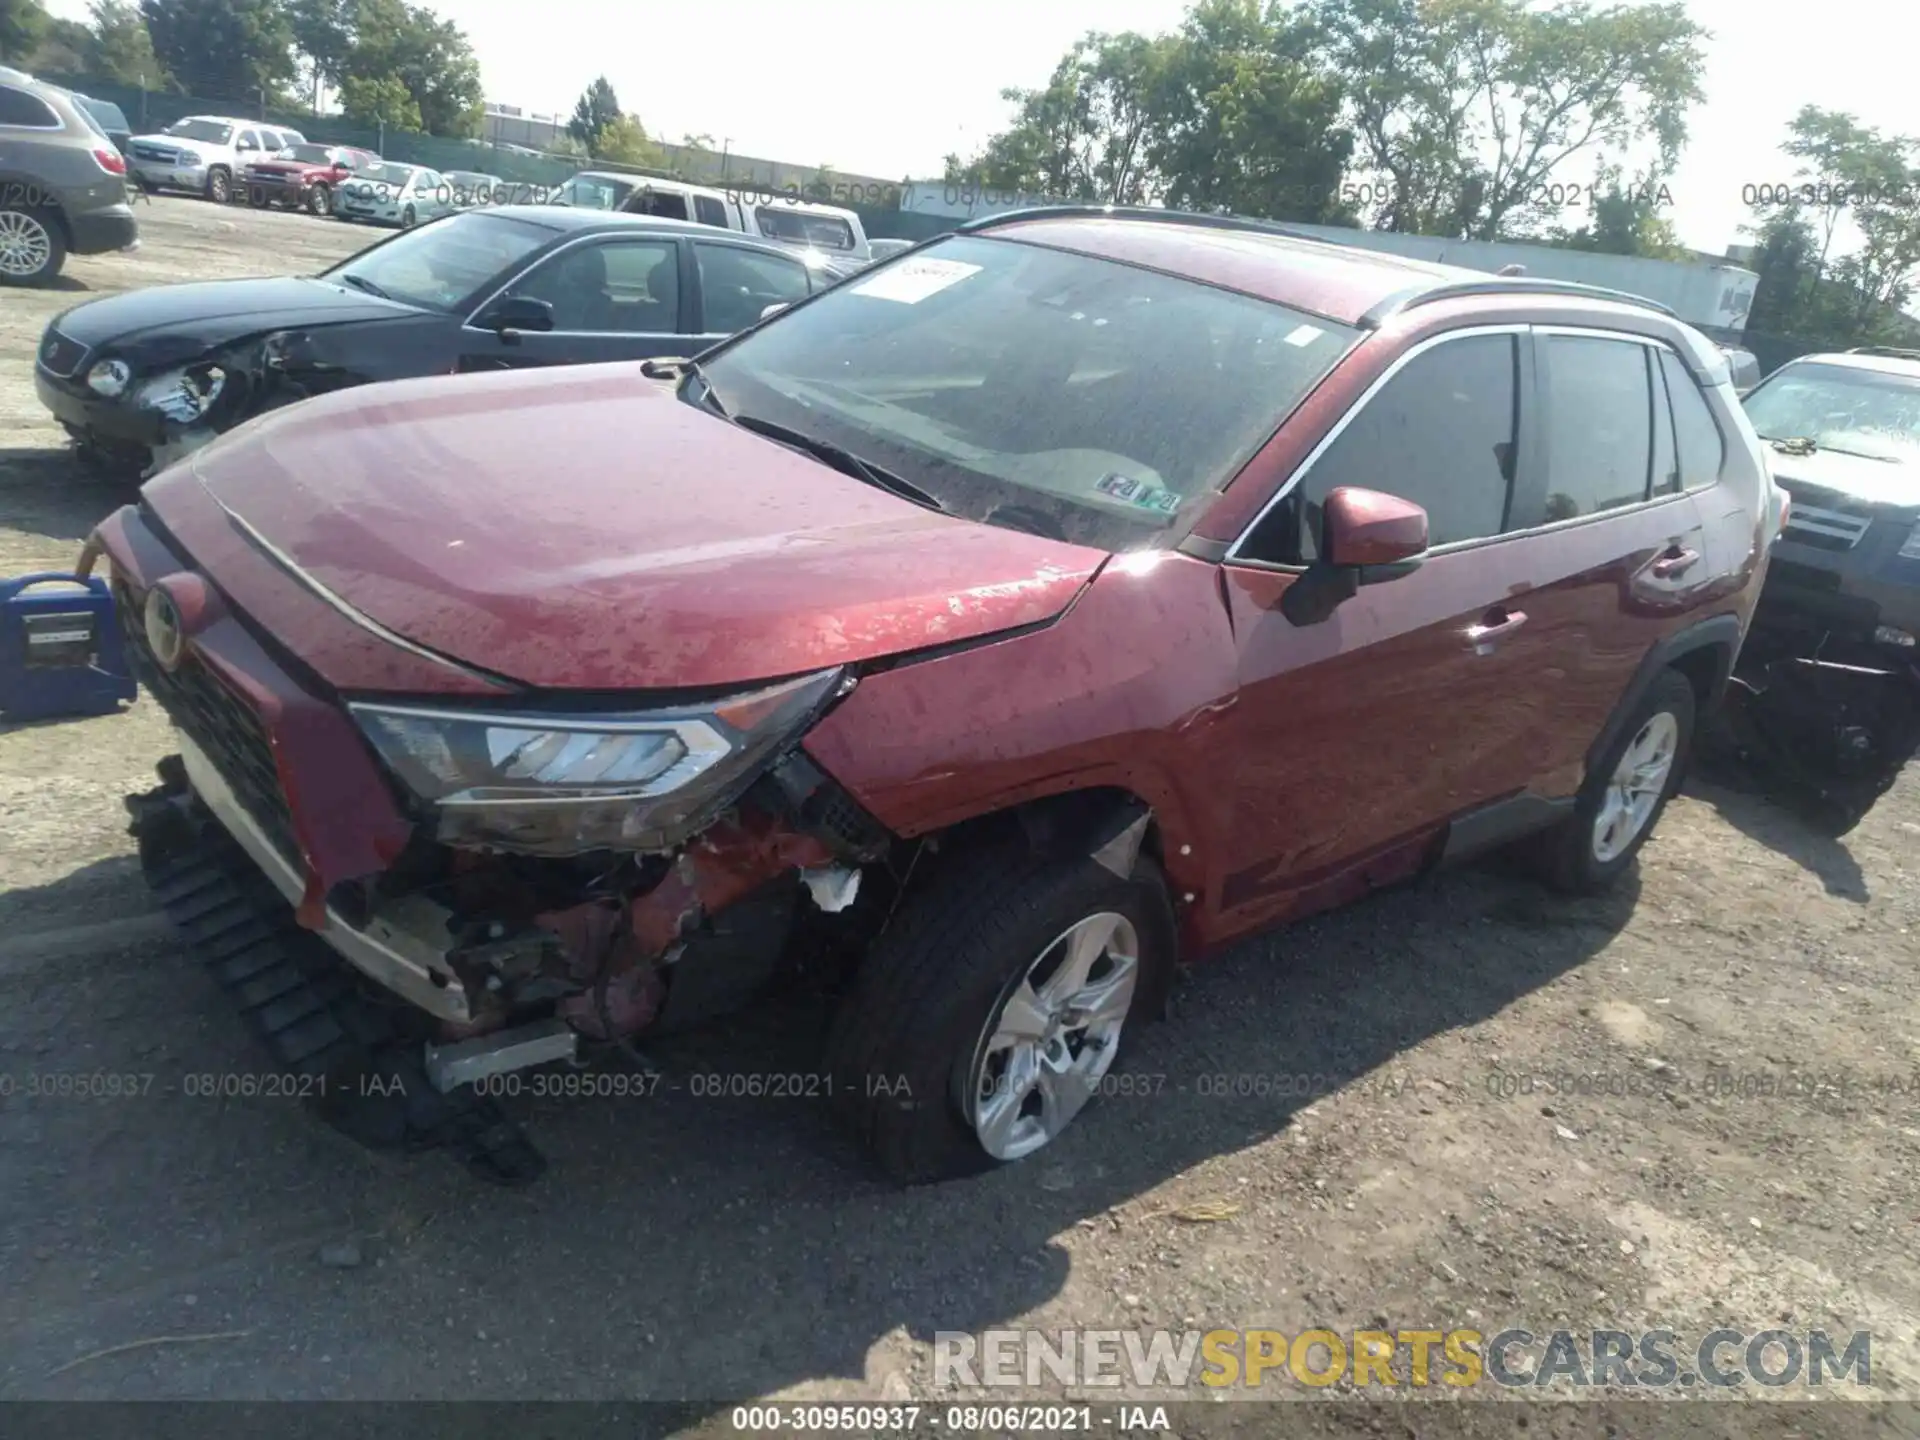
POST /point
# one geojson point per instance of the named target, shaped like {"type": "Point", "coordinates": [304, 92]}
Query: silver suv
{"type": "Point", "coordinates": [63, 183]}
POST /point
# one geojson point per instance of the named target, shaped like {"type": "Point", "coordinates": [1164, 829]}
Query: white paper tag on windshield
{"type": "Point", "coordinates": [912, 281]}
{"type": "Point", "coordinates": [1304, 335]}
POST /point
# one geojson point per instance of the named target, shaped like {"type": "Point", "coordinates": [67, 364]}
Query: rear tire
{"type": "Point", "coordinates": [408, 218]}
{"type": "Point", "coordinates": [1626, 793]}
{"type": "Point", "coordinates": [910, 1048]}
{"type": "Point", "coordinates": [32, 247]}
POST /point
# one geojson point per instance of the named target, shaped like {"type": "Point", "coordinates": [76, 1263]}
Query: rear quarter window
{"type": "Point", "coordinates": [1702, 448]}
{"type": "Point", "coordinates": [22, 110]}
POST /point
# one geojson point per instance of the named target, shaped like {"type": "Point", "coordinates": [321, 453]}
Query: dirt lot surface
{"type": "Point", "coordinates": [709, 1249]}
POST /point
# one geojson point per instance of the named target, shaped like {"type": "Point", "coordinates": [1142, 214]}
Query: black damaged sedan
{"type": "Point", "coordinates": [141, 378]}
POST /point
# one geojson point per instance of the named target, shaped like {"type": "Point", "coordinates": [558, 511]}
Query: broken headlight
{"type": "Point", "coordinates": [562, 784]}
{"type": "Point", "coordinates": [183, 396]}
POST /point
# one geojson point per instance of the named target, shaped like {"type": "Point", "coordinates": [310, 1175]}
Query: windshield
{"type": "Point", "coordinates": [445, 265]}
{"type": "Point", "coordinates": [1033, 388]}
{"type": "Point", "coordinates": [306, 154]}
{"type": "Point", "coordinates": [829, 232]}
{"type": "Point", "coordinates": [211, 131]}
{"type": "Point", "coordinates": [1840, 407]}
{"type": "Point", "coordinates": [387, 173]}
{"type": "Point", "coordinates": [594, 192]}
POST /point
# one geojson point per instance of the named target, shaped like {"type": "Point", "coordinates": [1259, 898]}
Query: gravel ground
{"type": "Point", "coordinates": [686, 1247]}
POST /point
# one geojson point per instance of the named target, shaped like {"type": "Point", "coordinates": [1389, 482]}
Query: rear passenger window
{"type": "Point", "coordinates": [1702, 448]}
{"type": "Point", "coordinates": [1599, 426]}
{"type": "Point", "coordinates": [17, 107]}
{"type": "Point", "coordinates": [1441, 434]}
{"type": "Point", "coordinates": [709, 211]}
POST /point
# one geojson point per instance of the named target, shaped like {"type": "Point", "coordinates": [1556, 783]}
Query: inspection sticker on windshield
{"type": "Point", "coordinates": [1304, 335]}
{"type": "Point", "coordinates": [1138, 492]}
{"type": "Point", "coordinates": [912, 281]}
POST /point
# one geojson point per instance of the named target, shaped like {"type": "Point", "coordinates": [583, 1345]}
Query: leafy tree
{"type": "Point", "coordinates": [121, 49]}
{"type": "Point", "coordinates": [65, 48]}
{"type": "Point", "coordinates": [1466, 107]}
{"type": "Point", "coordinates": [383, 99]}
{"type": "Point", "coordinates": [225, 49]}
{"type": "Point", "coordinates": [1238, 122]}
{"type": "Point", "coordinates": [597, 108]}
{"type": "Point", "coordinates": [1624, 219]}
{"type": "Point", "coordinates": [623, 141]}
{"type": "Point", "coordinates": [430, 58]}
{"type": "Point", "coordinates": [22, 24]}
{"type": "Point", "coordinates": [323, 34]}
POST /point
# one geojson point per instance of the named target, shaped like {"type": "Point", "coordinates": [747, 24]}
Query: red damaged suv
{"type": "Point", "coordinates": [981, 637]}
{"type": "Point", "coordinates": [304, 176]}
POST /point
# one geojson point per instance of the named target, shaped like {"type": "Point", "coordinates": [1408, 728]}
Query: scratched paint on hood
{"type": "Point", "coordinates": [580, 528]}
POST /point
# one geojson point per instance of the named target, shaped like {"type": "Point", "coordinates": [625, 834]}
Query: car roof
{"type": "Point", "coordinates": [1344, 283]}
{"type": "Point", "coordinates": [1882, 360]}
{"type": "Point", "coordinates": [581, 217]}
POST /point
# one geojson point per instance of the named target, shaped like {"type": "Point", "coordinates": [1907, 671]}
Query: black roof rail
{"type": "Point", "coordinates": [1891, 352]}
{"type": "Point", "coordinates": [1505, 285]}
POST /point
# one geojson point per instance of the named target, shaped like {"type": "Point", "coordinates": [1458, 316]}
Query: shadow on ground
{"type": "Point", "coordinates": [680, 1246]}
{"type": "Point", "coordinates": [49, 494]}
{"type": "Point", "coordinates": [1784, 833]}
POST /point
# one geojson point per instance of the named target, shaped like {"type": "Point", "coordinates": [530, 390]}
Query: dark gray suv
{"type": "Point", "coordinates": [63, 183]}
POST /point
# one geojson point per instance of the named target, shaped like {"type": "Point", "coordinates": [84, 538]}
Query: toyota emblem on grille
{"type": "Point", "coordinates": [165, 637]}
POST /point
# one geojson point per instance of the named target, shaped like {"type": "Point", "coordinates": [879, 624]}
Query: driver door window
{"type": "Point", "coordinates": [621, 287]}
{"type": "Point", "coordinates": [736, 284]}
{"type": "Point", "coordinates": [1441, 433]}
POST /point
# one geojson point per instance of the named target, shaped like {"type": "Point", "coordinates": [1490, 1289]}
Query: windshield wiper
{"type": "Point", "coordinates": [841, 459]}
{"type": "Point", "coordinates": [1804, 445]}
{"type": "Point", "coordinates": [360, 282]}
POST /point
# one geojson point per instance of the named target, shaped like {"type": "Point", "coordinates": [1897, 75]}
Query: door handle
{"type": "Point", "coordinates": [1497, 625]}
{"type": "Point", "coordinates": [1676, 561]}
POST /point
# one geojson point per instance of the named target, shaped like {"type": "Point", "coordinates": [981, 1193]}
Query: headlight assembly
{"type": "Point", "coordinates": [109, 379]}
{"type": "Point", "coordinates": [561, 784]}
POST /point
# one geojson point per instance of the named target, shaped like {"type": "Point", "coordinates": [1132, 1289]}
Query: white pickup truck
{"type": "Point", "coordinates": [203, 153]}
{"type": "Point", "coordinates": [828, 230]}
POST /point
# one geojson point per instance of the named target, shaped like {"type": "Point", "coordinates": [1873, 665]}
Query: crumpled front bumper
{"type": "Point", "coordinates": [284, 771]}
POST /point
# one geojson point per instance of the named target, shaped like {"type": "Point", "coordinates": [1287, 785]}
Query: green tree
{"type": "Point", "coordinates": [597, 108]}
{"type": "Point", "coordinates": [65, 48]}
{"type": "Point", "coordinates": [1623, 218]}
{"type": "Point", "coordinates": [1239, 122]}
{"type": "Point", "coordinates": [323, 34]}
{"type": "Point", "coordinates": [122, 50]}
{"type": "Point", "coordinates": [383, 100]}
{"type": "Point", "coordinates": [1465, 108]}
{"type": "Point", "coordinates": [391, 41]}
{"type": "Point", "coordinates": [225, 49]}
{"type": "Point", "coordinates": [22, 24]}
{"type": "Point", "coordinates": [624, 141]}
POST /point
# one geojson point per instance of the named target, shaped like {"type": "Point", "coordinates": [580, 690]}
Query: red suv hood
{"type": "Point", "coordinates": [582, 528]}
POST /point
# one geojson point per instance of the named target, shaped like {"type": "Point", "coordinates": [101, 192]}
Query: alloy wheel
{"type": "Point", "coordinates": [25, 246]}
{"type": "Point", "coordinates": [1052, 1039]}
{"type": "Point", "coordinates": [1635, 788]}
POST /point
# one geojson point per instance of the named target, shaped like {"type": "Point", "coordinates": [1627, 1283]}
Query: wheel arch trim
{"type": "Point", "coordinates": [1715, 640]}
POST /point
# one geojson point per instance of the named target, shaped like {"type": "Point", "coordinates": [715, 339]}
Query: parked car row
{"type": "Point", "coordinates": [142, 377]}
{"type": "Point", "coordinates": [985, 633]}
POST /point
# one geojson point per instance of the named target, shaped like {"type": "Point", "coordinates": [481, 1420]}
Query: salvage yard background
{"type": "Point", "coordinates": [726, 1248]}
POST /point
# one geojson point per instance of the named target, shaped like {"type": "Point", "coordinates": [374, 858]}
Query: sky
{"type": "Point", "coordinates": [889, 89]}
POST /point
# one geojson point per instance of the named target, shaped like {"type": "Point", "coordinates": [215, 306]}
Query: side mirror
{"type": "Point", "coordinates": [1367, 528]}
{"type": "Point", "coordinates": [517, 313]}
{"type": "Point", "coordinates": [773, 310]}
{"type": "Point", "coordinates": [1366, 538]}
{"type": "Point", "coordinates": [246, 145]}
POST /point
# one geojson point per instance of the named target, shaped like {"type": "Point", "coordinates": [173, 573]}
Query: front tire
{"type": "Point", "coordinates": [320, 201]}
{"type": "Point", "coordinates": [990, 1012]}
{"type": "Point", "coordinates": [32, 249]}
{"type": "Point", "coordinates": [1627, 792]}
{"type": "Point", "coordinates": [219, 185]}
{"type": "Point", "coordinates": [408, 218]}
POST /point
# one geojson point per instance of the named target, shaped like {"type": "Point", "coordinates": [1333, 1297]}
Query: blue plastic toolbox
{"type": "Point", "coordinates": [60, 648]}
